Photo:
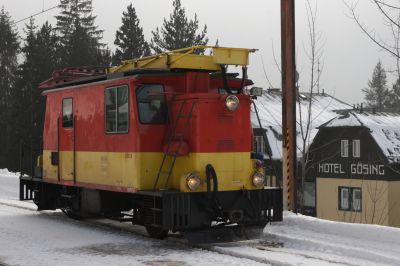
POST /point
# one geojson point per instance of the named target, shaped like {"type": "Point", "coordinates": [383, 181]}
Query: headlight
{"type": "Point", "coordinates": [258, 180]}
{"type": "Point", "coordinates": [193, 181]}
{"type": "Point", "coordinates": [232, 102]}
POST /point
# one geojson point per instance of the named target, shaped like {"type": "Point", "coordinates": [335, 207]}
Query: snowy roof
{"type": "Point", "coordinates": [269, 107]}
{"type": "Point", "coordinates": [384, 128]}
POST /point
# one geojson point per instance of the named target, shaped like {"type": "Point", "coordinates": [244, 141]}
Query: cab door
{"type": "Point", "coordinates": [67, 139]}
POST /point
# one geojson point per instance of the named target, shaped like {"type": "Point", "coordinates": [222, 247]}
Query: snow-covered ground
{"type": "Point", "coordinates": [28, 237]}
{"type": "Point", "coordinates": [309, 241]}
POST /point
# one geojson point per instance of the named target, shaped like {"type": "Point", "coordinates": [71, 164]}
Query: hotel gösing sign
{"type": "Point", "coordinates": [353, 169]}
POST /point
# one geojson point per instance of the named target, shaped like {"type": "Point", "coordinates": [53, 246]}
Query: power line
{"type": "Point", "coordinates": [34, 15]}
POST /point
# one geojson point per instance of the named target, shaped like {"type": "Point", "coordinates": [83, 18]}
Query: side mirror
{"type": "Point", "coordinates": [256, 91]}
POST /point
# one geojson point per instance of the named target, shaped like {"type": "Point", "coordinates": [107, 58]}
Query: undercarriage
{"type": "Point", "coordinates": [200, 216]}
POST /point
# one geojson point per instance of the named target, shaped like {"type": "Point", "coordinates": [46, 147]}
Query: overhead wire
{"type": "Point", "coordinates": [36, 14]}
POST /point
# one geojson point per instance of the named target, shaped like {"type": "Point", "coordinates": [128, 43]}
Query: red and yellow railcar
{"type": "Point", "coordinates": [167, 137]}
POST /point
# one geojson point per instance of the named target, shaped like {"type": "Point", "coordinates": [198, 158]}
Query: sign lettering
{"type": "Point", "coordinates": [355, 169]}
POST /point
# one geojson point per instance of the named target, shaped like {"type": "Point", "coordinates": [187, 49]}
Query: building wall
{"type": "Point", "coordinates": [394, 203]}
{"type": "Point", "coordinates": [367, 169]}
{"type": "Point", "coordinates": [376, 203]}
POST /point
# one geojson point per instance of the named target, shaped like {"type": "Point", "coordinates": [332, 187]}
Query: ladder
{"type": "Point", "coordinates": [172, 151]}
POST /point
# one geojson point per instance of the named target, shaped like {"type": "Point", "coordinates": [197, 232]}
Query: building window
{"type": "Point", "coordinates": [344, 198]}
{"type": "Point", "coordinates": [151, 103]}
{"type": "Point", "coordinates": [350, 199]}
{"type": "Point", "coordinates": [356, 199]}
{"type": "Point", "coordinates": [116, 109]}
{"type": "Point", "coordinates": [67, 116]}
{"type": "Point", "coordinates": [344, 148]}
{"type": "Point", "coordinates": [258, 144]}
{"type": "Point", "coordinates": [356, 148]}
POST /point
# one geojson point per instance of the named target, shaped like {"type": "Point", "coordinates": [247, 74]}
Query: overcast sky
{"type": "Point", "coordinates": [349, 57]}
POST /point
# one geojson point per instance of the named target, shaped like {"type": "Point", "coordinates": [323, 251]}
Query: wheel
{"type": "Point", "coordinates": [156, 232]}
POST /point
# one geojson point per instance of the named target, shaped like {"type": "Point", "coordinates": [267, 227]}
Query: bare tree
{"type": "Point", "coordinates": [390, 14]}
{"type": "Point", "coordinates": [314, 52]}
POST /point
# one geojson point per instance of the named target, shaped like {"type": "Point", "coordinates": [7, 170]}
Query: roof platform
{"type": "Point", "coordinates": [176, 60]}
{"type": "Point", "coordinates": [61, 78]}
{"type": "Point", "coordinates": [190, 58]}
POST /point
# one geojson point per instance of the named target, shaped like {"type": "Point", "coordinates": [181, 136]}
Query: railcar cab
{"type": "Point", "coordinates": [166, 137]}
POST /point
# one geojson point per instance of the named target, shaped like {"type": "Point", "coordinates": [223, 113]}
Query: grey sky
{"type": "Point", "coordinates": [349, 57]}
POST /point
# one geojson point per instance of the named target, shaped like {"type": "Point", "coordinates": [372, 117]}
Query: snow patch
{"type": "Point", "coordinates": [6, 173]}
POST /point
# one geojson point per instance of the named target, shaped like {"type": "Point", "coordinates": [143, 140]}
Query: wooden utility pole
{"type": "Point", "coordinates": [289, 158]}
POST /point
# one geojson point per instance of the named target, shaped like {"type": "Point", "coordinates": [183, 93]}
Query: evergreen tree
{"type": "Point", "coordinates": [80, 38]}
{"type": "Point", "coordinates": [9, 47]}
{"type": "Point", "coordinates": [45, 57]}
{"type": "Point", "coordinates": [393, 99]}
{"type": "Point", "coordinates": [45, 61]}
{"type": "Point", "coordinates": [129, 38]}
{"type": "Point", "coordinates": [23, 112]}
{"type": "Point", "coordinates": [178, 32]}
{"type": "Point", "coordinates": [377, 92]}
{"type": "Point", "coordinates": [103, 57]}
{"type": "Point", "coordinates": [40, 59]}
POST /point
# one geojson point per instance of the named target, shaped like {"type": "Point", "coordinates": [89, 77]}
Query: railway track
{"type": "Point", "coordinates": [259, 245]}
{"type": "Point", "coordinates": [173, 239]}
{"type": "Point", "coordinates": [264, 249]}
{"type": "Point", "coordinates": [269, 248]}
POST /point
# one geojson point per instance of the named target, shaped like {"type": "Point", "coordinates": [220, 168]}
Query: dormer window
{"type": "Point", "coordinates": [356, 148]}
{"type": "Point", "coordinates": [344, 148]}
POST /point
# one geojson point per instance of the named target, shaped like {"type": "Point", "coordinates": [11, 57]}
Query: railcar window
{"type": "Point", "coordinates": [151, 103]}
{"type": "Point", "coordinates": [116, 105]}
{"type": "Point", "coordinates": [67, 116]}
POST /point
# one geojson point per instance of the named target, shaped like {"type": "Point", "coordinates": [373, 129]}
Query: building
{"type": "Point", "coordinates": [356, 161]}
{"type": "Point", "coordinates": [323, 108]}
